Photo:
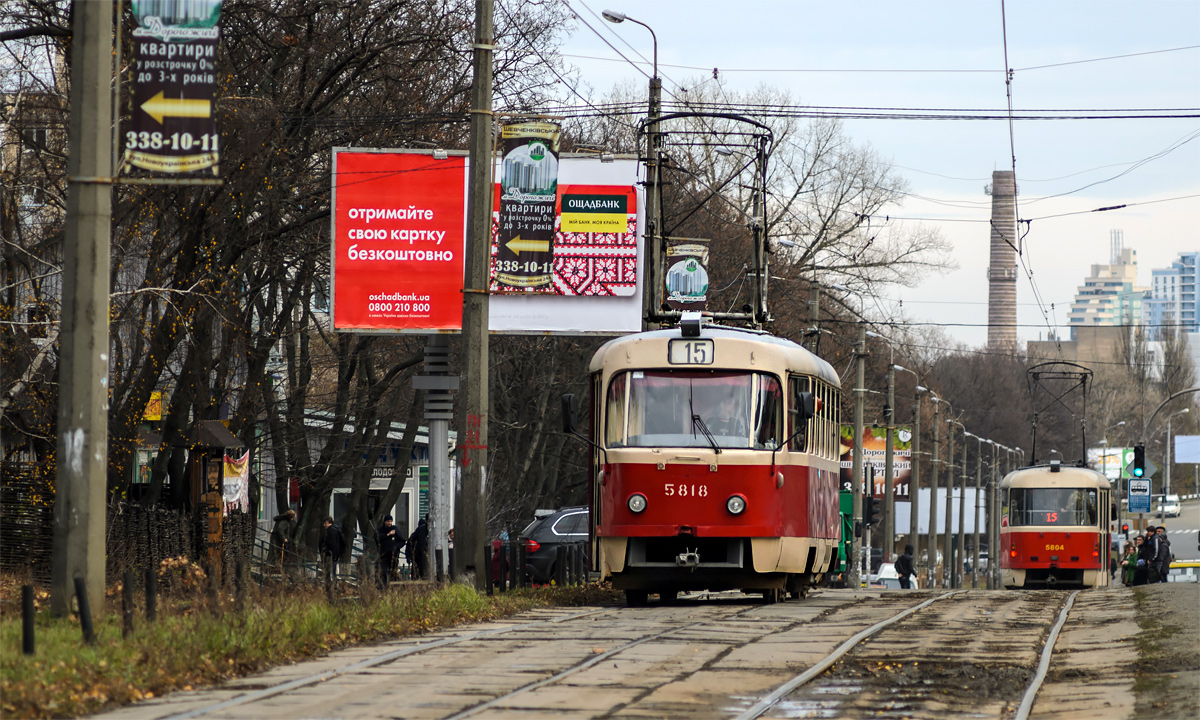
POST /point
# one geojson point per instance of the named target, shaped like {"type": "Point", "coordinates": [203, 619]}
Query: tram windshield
{"type": "Point", "coordinates": [668, 408]}
{"type": "Point", "coordinates": [1053, 506]}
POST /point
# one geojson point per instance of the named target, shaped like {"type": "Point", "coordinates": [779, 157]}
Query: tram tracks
{"type": "Point", "coordinates": [884, 655]}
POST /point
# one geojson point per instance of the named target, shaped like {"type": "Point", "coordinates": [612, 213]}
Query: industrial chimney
{"type": "Point", "coordinates": [1002, 271]}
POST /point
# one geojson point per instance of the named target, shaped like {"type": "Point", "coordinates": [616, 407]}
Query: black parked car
{"type": "Point", "coordinates": [544, 535]}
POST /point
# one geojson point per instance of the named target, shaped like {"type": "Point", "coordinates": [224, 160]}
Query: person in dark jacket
{"type": "Point", "coordinates": [389, 542]}
{"type": "Point", "coordinates": [904, 568]}
{"type": "Point", "coordinates": [418, 550]}
{"type": "Point", "coordinates": [1163, 557]}
{"type": "Point", "coordinates": [281, 537]}
{"type": "Point", "coordinates": [1147, 554]}
{"type": "Point", "coordinates": [332, 545]}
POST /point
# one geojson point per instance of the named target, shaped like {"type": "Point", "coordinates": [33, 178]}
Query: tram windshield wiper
{"type": "Point", "coordinates": [698, 422]}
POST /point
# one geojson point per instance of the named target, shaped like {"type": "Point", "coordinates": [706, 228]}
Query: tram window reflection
{"type": "Point", "coordinates": [672, 408]}
{"type": "Point", "coordinates": [1069, 507]}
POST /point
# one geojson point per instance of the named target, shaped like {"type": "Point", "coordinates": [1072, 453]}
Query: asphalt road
{"type": "Point", "coordinates": [972, 653]}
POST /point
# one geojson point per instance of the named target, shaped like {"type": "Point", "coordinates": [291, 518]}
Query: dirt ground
{"type": "Point", "coordinates": [1168, 684]}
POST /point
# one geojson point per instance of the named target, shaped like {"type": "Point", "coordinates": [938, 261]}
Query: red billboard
{"type": "Point", "coordinates": [399, 239]}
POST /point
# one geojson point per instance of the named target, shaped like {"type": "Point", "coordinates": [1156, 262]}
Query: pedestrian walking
{"type": "Point", "coordinates": [331, 547]}
{"type": "Point", "coordinates": [389, 542]}
{"type": "Point", "coordinates": [417, 552]}
{"type": "Point", "coordinates": [904, 567]}
{"type": "Point", "coordinates": [281, 537]}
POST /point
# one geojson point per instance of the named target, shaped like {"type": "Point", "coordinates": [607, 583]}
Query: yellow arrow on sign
{"type": "Point", "coordinates": [517, 245]}
{"type": "Point", "coordinates": [159, 107]}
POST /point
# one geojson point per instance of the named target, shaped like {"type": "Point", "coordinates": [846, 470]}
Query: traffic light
{"type": "Point", "coordinates": [1125, 530]}
{"type": "Point", "coordinates": [871, 514]}
{"type": "Point", "coordinates": [1139, 460]}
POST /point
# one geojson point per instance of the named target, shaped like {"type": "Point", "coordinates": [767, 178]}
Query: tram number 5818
{"type": "Point", "coordinates": [684, 490]}
{"type": "Point", "coordinates": [690, 351]}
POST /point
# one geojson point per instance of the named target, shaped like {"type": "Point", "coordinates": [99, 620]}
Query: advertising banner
{"type": "Point", "coordinates": [1110, 461]}
{"type": "Point", "coordinates": [875, 455]}
{"type": "Point", "coordinates": [171, 129]}
{"type": "Point", "coordinates": [396, 215]}
{"type": "Point", "coordinates": [398, 239]}
{"type": "Point", "coordinates": [523, 250]}
{"type": "Point", "coordinates": [1187, 448]}
{"type": "Point", "coordinates": [685, 283]}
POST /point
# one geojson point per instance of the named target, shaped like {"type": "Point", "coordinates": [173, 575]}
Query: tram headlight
{"type": "Point", "coordinates": [637, 502]}
{"type": "Point", "coordinates": [735, 504]}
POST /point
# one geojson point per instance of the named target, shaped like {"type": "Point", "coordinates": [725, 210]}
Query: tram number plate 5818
{"type": "Point", "coordinates": [685, 490]}
{"type": "Point", "coordinates": [697, 351]}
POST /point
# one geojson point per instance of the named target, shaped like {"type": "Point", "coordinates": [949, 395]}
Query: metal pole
{"type": "Point", "coordinates": [947, 574]}
{"type": "Point", "coordinates": [856, 472]}
{"type": "Point", "coordinates": [914, 487]}
{"type": "Point", "coordinates": [438, 411]}
{"type": "Point", "coordinates": [932, 534]}
{"type": "Point", "coordinates": [470, 510]}
{"type": "Point", "coordinates": [978, 503]}
{"type": "Point", "coordinates": [814, 317]}
{"type": "Point", "coordinates": [1162, 500]}
{"type": "Point", "coordinates": [82, 453]}
{"type": "Point", "coordinates": [960, 547]}
{"type": "Point", "coordinates": [651, 288]}
{"type": "Point", "coordinates": [889, 504]}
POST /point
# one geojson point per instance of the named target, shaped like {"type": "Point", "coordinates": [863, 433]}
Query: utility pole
{"type": "Point", "coordinates": [960, 547]}
{"type": "Point", "coordinates": [653, 235]}
{"type": "Point", "coordinates": [856, 472]}
{"type": "Point", "coordinates": [889, 505]}
{"type": "Point", "coordinates": [471, 491]}
{"type": "Point", "coordinates": [946, 577]}
{"type": "Point", "coordinates": [814, 317]}
{"type": "Point", "coordinates": [914, 486]}
{"type": "Point", "coordinates": [932, 535]}
{"type": "Point", "coordinates": [978, 503]}
{"type": "Point", "coordinates": [82, 456]}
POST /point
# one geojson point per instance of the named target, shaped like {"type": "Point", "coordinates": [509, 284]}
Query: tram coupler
{"type": "Point", "coordinates": [688, 559]}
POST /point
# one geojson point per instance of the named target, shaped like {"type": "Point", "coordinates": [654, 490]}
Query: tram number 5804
{"type": "Point", "coordinates": [690, 351]}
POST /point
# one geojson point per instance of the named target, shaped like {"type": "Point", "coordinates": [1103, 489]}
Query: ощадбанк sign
{"type": "Point", "coordinates": [398, 246]}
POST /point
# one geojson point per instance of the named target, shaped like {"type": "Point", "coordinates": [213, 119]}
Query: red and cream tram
{"type": "Point", "coordinates": [715, 462]}
{"type": "Point", "coordinates": [1054, 528]}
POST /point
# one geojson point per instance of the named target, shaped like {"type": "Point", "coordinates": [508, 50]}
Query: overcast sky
{"type": "Point", "coordinates": [828, 50]}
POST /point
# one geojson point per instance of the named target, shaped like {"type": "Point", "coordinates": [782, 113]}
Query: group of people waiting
{"type": "Point", "coordinates": [331, 546]}
{"type": "Point", "coordinates": [1147, 558]}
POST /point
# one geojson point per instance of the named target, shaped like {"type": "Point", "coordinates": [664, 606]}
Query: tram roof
{"type": "Point", "coordinates": [1066, 477]}
{"type": "Point", "coordinates": [794, 356]}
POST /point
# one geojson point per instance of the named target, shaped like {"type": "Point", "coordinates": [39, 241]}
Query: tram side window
{"type": "Point", "coordinates": [1053, 506]}
{"type": "Point", "coordinates": [767, 407]}
{"type": "Point", "coordinates": [799, 440]}
{"type": "Point", "coordinates": [614, 429]}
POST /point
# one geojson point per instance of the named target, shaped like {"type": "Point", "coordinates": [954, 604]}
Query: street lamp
{"type": "Point", "coordinates": [653, 181]}
{"type": "Point", "coordinates": [978, 488]}
{"type": "Point", "coordinates": [954, 549]}
{"type": "Point", "coordinates": [1167, 477]}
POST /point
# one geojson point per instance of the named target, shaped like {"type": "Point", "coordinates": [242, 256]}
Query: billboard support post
{"type": "Point", "coordinates": [471, 488]}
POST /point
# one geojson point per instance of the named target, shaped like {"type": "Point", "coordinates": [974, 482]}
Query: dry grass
{"type": "Point", "coordinates": [200, 639]}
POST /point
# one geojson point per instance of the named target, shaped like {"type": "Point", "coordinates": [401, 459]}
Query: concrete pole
{"type": "Point", "coordinates": [889, 503]}
{"type": "Point", "coordinates": [947, 574]}
{"type": "Point", "coordinates": [978, 508]}
{"type": "Point", "coordinates": [471, 490]}
{"type": "Point", "coordinates": [651, 288]}
{"type": "Point", "coordinates": [960, 547]}
{"type": "Point", "coordinates": [82, 454]}
{"type": "Point", "coordinates": [993, 523]}
{"type": "Point", "coordinates": [932, 535]}
{"type": "Point", "coordinates": [438, 412]}
{"type": "Point", "coordinates": [914, 486]}
{"type": "Point", "coordinates": [814, 317]}
{"type": "Point", "coordinates": [856, 472]}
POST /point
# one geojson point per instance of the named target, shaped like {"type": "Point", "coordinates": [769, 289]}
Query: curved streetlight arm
{"type": "Point", "coordinates": [1160, 407]}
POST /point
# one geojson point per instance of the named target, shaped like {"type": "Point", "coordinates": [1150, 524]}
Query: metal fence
{"type": "Point", "coordinates": [505, 569]}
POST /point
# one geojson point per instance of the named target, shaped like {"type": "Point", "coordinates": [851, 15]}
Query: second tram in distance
{"type": "Point", "coordinates": [715, 462]}
{"type": "Point", "coordinates": [1054, 528]}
